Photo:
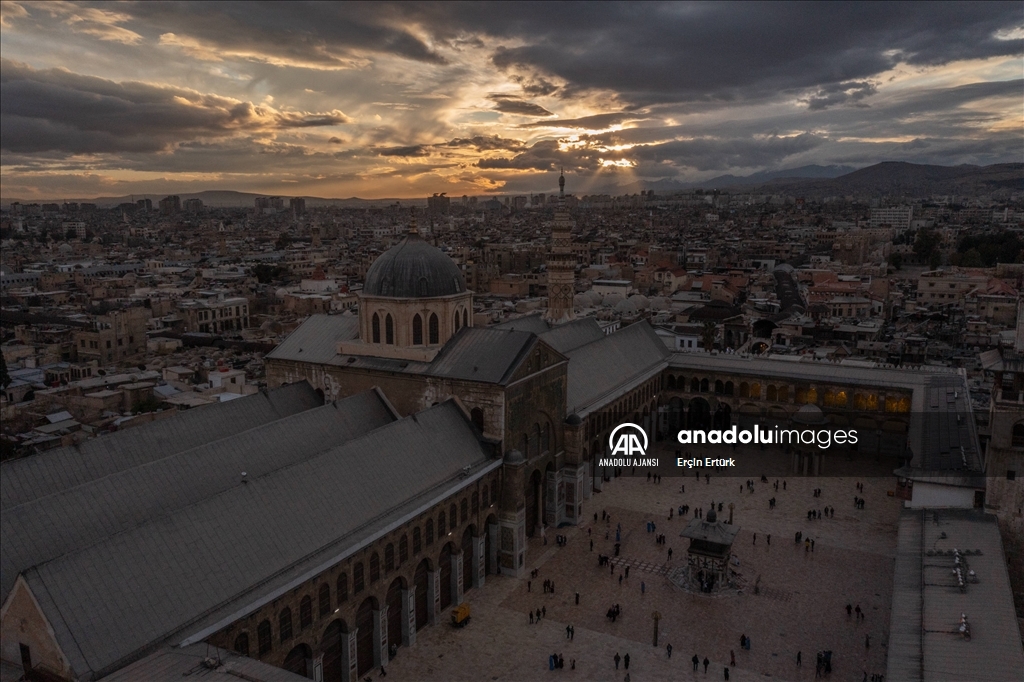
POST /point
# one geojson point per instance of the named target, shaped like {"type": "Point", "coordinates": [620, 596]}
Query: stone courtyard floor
{"type": "Point", "coordinates": [800, 605]}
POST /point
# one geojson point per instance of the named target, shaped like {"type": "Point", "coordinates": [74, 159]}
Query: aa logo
{"type": "Point", "coordinates": [628, 442]}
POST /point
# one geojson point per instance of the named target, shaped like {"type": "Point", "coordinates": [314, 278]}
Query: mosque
{"type": "Point", "coordinates": [397, 458]}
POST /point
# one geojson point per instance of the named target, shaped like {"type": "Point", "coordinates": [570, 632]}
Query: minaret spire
{"type": "Point", "coordinates": [561, 264]}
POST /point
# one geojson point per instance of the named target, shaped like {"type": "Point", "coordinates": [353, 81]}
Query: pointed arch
{"type": "Point", "coordinates": [389, 330]}
{"type": "Point", "coordinates": [417, 330]}
{"type": "Point", "coordinates": [434, 329]}
{"type": "Point", "coordinates": [375, 328]}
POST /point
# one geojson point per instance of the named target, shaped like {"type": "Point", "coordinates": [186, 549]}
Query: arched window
{"type": "Point", "coordinates": [263, 638]}
{"type": "Point", "coordinates": [441, 527]}
{"type": "Point", "coordinates": [784, 394]}
{"type": "Point", "coordinates": [375, 324]}
{"type": "Point", "coordinates": [719, 387]}
{"type": "Point", "coordinates": [389, 330]}
{"type": "Point", "coordinates": [342, 589]}
{"type": "Point", "coordinates": [417, 541]}
{"type": "Point", "coordinates": [358, 580]}
{"type": "Point", "coordinates": [694, 385]}
{"type": "Point", "coordinates": [325, 599]}
{"type": "Point", "coordinates": [242, 643]}
{"type": "Point", "coordinates": [305, 612]}
{"type": "Point", "coordinates": [433, 329]}
{"type": "Point", "coordinates": [474, 504]}
{"type": "Point", "coordinates": [728, 388]}
{"type": "Point", "coordinates": [465, 317]}
{"type": "Point", "coordinates": [403, 549]}
{"type": "Point", "coordinates": [374, 567]}
{"type": "Point", "coordinates": [1017, 439]}
{"type": "Point", "coordinates": [417, 330]}
{"type": "Point", "coordinates": [477, 415]}
{"type": "Point", "coordinates": [453, 516]}
{"type": "Point", "coordinates": [389, 557]}
{"type": "Point", "coordinates": [704, 385]}
{"type": "Point", "coordinates": [430, 532]}
{"type": "Point", "coordinates": [671, 381]}
{"type": "Point", "coordinates": [755, 391]}
{"type": "Point", "coordinates": [464, 509]}
{"type": "Point", "coordinates": [457, 321]}
{"type": "Point", "coordinates": [284, 625]}
{"type": "Point", "coordinates": [773, 393]}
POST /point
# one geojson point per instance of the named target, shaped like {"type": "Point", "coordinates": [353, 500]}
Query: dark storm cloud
{"type": "Point", "coordinates": [851, 92]}
{"type": "Point", "coordinates": [482, 143]}
{"type": "Point", "coordinates": [58, 110]}
{"type": "Point", "coordinates": [596, 121]}
{"type": "Point", "coordinates": [315, 35]}
{"type": "Point", "coordinates": [720, 154]}
{"type": "Point", "coordinates": [727, 51]}
{"type": "Point", "coordinates": [509, 104]}
{"type": "Point", "coordinates": [547, 155]}
{"type": "Point", "coordinates": [407, 151]}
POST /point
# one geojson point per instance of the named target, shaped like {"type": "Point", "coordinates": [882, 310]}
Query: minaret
{"type": "Point", "coordinates": [561, 264]}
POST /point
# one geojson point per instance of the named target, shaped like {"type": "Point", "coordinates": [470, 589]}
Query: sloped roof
{"type": "Point", "coordinates": [566, 337]}
{"type": "Point", "coordinates": [171, 664]}
{"type": "Point", "coordinates": [482, 354]}
{"type": "Point", "coordinates": [527, 323]}
{"type": "Point", "coordinates": [316, 339]}
{"type": "Point", "coordinates": [607, 365]}
{"type": "Point", "coordinates": [55, 524]}
{"type": "Point", "coordinates": [28, 478]}
{"type": "Point", "coordinates": [207, 564]}
{"type": "Point", "coordinates": [717, 532]}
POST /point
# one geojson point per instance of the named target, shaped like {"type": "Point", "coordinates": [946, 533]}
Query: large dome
{"type": "Point", "coordinates": [413, 269]}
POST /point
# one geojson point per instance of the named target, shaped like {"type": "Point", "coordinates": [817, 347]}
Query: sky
{"type": "Point", "coordinates": [342, 99]}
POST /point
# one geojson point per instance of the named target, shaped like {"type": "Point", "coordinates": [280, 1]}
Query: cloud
{"type": "Point", "coordinates": [510, 104]}
{"type": "Point", "coordinates": [595, 122]}
{"type": "Point", "coordinates": [409, 151]}
{"type": "Point", "coordinates": [482, 143]}
{"type": "Point", "coordinates": [58, 110]}
{"type": "Point", "coordinates": [850, 92]}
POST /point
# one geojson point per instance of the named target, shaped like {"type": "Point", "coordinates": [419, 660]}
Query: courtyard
{"type": "Point", "coordinates": [799, 605]}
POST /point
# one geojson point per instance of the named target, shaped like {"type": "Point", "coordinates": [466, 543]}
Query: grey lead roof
{"type": "Point", "coordinates": [49, 526]}
{"type": "Point", "coordinates": [571, 335]}
{"type": "Point", "coordinates": [118, 599]}
{"type": "Point", "coordinates": [604, 367]}
{"type": "Point", "coordinates": [413, 269]}
{"type": "Point", "coordinates": [482, 354]}
{"type": "Point", "coordinates": [28, 478]}
{"type": "Point", "coordinates": [316, 339]}
{"type": "Point", "coordinates": [924, 643]}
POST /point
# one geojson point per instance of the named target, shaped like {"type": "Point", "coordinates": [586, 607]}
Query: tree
{"type": "Point", "coordinates": [896, 260]}
{"type": "Point", "coordinates": [707, 335]}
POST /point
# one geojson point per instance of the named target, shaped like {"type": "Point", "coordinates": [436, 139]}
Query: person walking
{"type": "Point", "coordinates": [849, 610]}
{"type": "Point", "coordinates": [616, 659]}
{"type": "Point", "coordinates": [577, 599]}
{"type": "Point", "coordinates": [668, 649]}
{"type": "Point", "coordinates": [625, 662]}
{"type": "Point", "coordinates": [696, 662]}
{"type": "Point", "coordinates": [643, 588]}
{"type": "Point", "coordinates": [798, 661]}
{"type": "Point", "coordinates": [567, 628]}
{"type": "Point", "coordinates": [726, 672]}
{"type": "Point", "coordinates": [732, 658]}
{"type": "Point", "coordinates": [706, 664]}
{"type": "Point", "coordinates": [572, 632]}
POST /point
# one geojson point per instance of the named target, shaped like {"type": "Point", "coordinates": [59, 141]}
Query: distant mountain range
{"type": "Point", "coordinates": [891, 178]}
{"type": "Point", "coordinates": [219, 198]}
{"type": "Point", "coordinates": [895, 178]}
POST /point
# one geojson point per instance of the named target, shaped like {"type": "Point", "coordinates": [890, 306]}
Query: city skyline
{"type": "Point", "coordinates": [407, 100]}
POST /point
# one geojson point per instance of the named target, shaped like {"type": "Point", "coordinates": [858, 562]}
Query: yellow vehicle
{"type": "Point", "coordinates": [460, 615]}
